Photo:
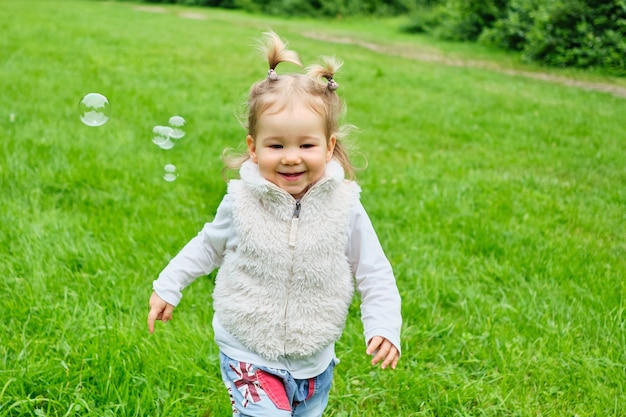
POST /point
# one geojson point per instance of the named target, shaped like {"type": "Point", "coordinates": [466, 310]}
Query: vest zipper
{"type": "Point", "coordinates": [294, 225]}
{"type": "Point", "coordinates": [292, 244]}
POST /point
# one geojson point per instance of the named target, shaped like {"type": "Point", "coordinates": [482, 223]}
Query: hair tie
{"type": "Point", "coordinates": [271, 74]}
{"type": "Point", "coordinates": [332, 84]}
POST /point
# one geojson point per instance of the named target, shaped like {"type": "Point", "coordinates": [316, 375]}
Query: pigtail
{"type": "Point", "coordinates": [327, 69]}
{"type": "Point", "coordinates": [275, 50]}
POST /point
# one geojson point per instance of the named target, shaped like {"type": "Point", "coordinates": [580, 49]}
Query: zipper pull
{"type": "Point", "coordinates": [294, 225]}
{"type": "Point", "coordinates": [296, 212]}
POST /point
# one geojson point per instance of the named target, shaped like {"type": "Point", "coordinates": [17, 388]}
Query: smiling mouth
{"type": "Point", "coordinates": [291, 176]}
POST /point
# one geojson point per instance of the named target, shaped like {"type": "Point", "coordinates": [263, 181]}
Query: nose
{"type": "Point", "coordinates": [291, 156]}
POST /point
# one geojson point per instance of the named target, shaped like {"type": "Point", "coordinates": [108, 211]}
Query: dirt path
{"type": "Point", "coordinates": [426, 57]}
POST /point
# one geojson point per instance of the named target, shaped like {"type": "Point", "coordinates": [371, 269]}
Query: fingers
{"type": "Point", "coordinates": [167, 313]}
{"type": "Point", "coordinates": [159, 310]}
{"type": "Point", "coordinates": [383, 350]}
{"type": "Point", "coordinates": [152, 317]}
{"type": "Point", "coordinates": [374, 344]}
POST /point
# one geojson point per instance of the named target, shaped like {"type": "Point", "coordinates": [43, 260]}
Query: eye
{"type": "Point", "coordinates": [275, 146]}
{"type": "Point", "coordinates": [308, 146]}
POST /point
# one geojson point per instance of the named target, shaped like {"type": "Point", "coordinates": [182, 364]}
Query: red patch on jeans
{"type": "Point", "coordinates": [274, 389]}
{"type": "Point", "coordinates": [311, 389]}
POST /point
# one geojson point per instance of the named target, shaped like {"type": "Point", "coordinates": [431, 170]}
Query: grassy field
{"type": "Point", "coordinates": [500, 200]}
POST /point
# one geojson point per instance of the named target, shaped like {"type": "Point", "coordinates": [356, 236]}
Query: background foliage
{"type": "Point", "coordinates": [306, 7]}
{"type": "Point", "coordinates": [565, 33]}
{"type": "Point", "coordinates": [578, 33]}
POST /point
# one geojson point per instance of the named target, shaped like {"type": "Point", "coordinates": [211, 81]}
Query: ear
{"type": "Point", "coordinates": [330, 147]}
{"type": "Point", "coordinates": [252, 149]}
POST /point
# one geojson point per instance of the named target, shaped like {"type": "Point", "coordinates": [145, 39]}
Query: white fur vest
{"type": "Point", "coordinates": [285, 290]}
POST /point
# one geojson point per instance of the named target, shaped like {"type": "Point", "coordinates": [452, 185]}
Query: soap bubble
{"type": "Point", "coordinates": [94, 109]}
{"type": "Point", "coordinates": [177, 123]}
{"type": "Point", "coordinates": [161, 136]}
{"type": "Point", "coordinates": [170, 173]}
{"type": "Point", "coordinates": [165, 137]}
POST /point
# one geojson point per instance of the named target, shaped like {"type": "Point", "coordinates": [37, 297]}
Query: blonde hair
{"type": "Point", "coordinates": [284, 89]}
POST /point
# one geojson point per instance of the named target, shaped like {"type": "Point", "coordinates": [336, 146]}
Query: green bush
{"type": "Point", "coordinates": [466, 19]}
{"type": "Point", "coordinates": [309, 7]}
{"type": "Point", "coordinates": [512, 30]}
{"type": "Point", "coordinates": [423, 17]}
{"type": "Point", "coordinates": [578, 33]}
{"type": "Point", "coordinates": [455, 19]}
{"type": "Point", "coordinates": [331, 9]}
{"type": "Point", "coordinates": [584, 33]}
{"type": "Point", "coordinates": [229, 4]}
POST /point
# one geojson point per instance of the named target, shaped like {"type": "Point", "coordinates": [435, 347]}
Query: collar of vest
{"type": "Point", "coordinates": [251, 176]}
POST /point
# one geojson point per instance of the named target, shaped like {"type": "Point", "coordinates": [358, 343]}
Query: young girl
{"type": "Point", "coordinates": [289, 237]}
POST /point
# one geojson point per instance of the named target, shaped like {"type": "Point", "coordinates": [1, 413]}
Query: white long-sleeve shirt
{"type": "Point", "coordinates": [375, 282]}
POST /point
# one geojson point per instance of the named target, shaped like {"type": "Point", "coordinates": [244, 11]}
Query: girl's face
{"type": "Point", "coordinates": [290, 148]}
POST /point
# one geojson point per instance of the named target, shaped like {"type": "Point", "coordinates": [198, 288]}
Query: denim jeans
{"type": "Point", "coordinates": [258, 391]}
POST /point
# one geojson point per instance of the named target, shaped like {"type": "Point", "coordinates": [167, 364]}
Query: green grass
{"type": "Point", "coordinates": [499, 199]}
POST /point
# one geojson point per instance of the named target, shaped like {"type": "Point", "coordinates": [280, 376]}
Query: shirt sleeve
{"type": "Point", "coordinates": [199, 257]}
{"type": "Point", "coordinates": [375, 281]}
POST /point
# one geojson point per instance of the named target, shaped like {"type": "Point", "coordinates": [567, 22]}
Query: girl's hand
{"type": "Point", "coordinates": [159, 310]}
{"type": "Point", "coordinates": [383, 350]}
